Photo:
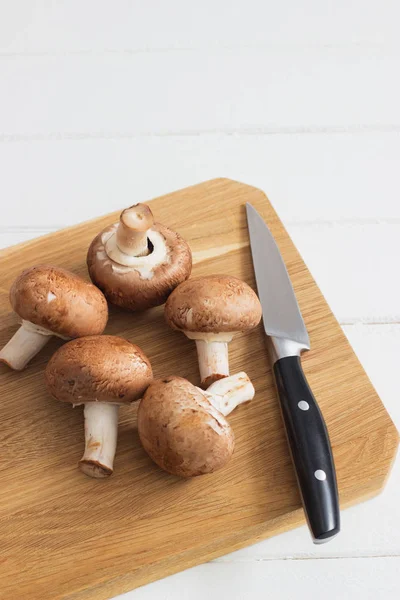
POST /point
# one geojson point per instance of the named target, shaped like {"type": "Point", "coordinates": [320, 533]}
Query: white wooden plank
{"type": "Point", "coordinates": [355, 267]}
{"type": "Point", "coordinates": [44, 26]}
{"type": "Point", "coordinates": [199, 90]}
{"type": "Point", "coordinates": [16, 236]}
{"type": "Point", "coordinates": [308, 178]}
{"type": "Point", "coordinates": [353, 579]}
{"type": "Point", "coordinates": [378, 349]}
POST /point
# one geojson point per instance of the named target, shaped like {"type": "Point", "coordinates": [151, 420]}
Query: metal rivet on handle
{"type": "Point", "coordinates": [303, 405]}
{"type": "Point", "coordinates": [320, 475]}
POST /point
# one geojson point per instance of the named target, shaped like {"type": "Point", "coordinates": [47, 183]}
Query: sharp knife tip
{"type": "Point", "coordinates": [249, 208]}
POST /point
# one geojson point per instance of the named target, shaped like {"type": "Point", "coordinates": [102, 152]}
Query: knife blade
{"type": "Point", "coordinates": [305, 427]}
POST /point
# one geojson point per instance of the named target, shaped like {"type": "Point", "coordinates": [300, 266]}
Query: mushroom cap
{"type": "Point", "coordinates": [181, 430]}
{"type": "Point", "coordinates": [102, 368]}
{"type": "Point", "coordinates": [125, 286]}
{"type": "Point", "coordinates": [59, 301]}
{"type": "Point", "coordinates": [217, 303]}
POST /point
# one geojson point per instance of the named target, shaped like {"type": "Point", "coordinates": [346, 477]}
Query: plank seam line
{"type": "Point", "coordinates": [366, 323]}
{"type": "Point", "coordinates": [273, 46]}
{"type": "Point", "coordinates": [301, 558]}
{"type": "Point", "coordinates": [354, 129]}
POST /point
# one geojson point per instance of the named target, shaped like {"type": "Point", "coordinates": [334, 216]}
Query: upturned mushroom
{"type": "Point", "coordinates": [101, 372]}
{"type": "Point", "coordinates": [136, 262]}
{"type": "Point", "coordinates": [51, 301]}
{"type": "Point", "coordinates": [210, 310]}
{"type": "Point", "coordinates": [184, 429]}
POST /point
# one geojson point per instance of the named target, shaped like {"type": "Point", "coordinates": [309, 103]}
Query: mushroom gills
{"type": "Point", "coordinates": [144, 265]}
{"type": "Point", "coordinates": [28, 340]}
{"type": "Point", "coordinates": [226, 394]}
{"type": "Point", "coordinates": [101, 432]}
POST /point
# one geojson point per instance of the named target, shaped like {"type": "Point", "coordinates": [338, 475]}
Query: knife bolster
{"type": "Point", "coordinates": [282, 347]}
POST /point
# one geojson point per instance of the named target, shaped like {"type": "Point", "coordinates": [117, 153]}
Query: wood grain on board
{"type": "Point", "coordinates": [65, 536]}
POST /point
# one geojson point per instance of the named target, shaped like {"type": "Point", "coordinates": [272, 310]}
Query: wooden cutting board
{"type": "Point", "coordinates": [65, 536]}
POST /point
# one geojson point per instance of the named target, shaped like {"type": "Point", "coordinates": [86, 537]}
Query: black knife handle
{"type": "Point", "coordinates": [310, 449]}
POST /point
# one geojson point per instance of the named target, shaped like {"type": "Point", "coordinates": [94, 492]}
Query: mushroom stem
{"type": "Point", "coordinates": [131, 235]}
{"type": "Point", "coordinates": [23, 346]}
{"type": "Point", "coordinates": [226, 394]}
{"type": "Point", "coordinates": [213, 361]}
{"type": "Point", "coordinates": [101, 431]}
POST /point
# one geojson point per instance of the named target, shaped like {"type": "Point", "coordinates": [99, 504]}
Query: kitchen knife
{"type": "Point", "coordinates": [305, 427]}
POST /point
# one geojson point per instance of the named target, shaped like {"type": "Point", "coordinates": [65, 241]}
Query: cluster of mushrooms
{"type": "Point", "coordinates": [137, 264]}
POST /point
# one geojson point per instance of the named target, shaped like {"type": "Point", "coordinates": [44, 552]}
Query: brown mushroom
{"type": "Point", "coordinates": [51, 301]}
{"type": "Point", "coordinates": [210, 310]}
{"type": "Point", "coordinates": [100, 372]}
{"type": "Point", "coordinates": [183, 428]}
{"type": "Point", "coordinates": [136, 262]}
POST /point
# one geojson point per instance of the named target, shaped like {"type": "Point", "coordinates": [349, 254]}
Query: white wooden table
{"type": "Point", "coordinates": [107, 103]}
